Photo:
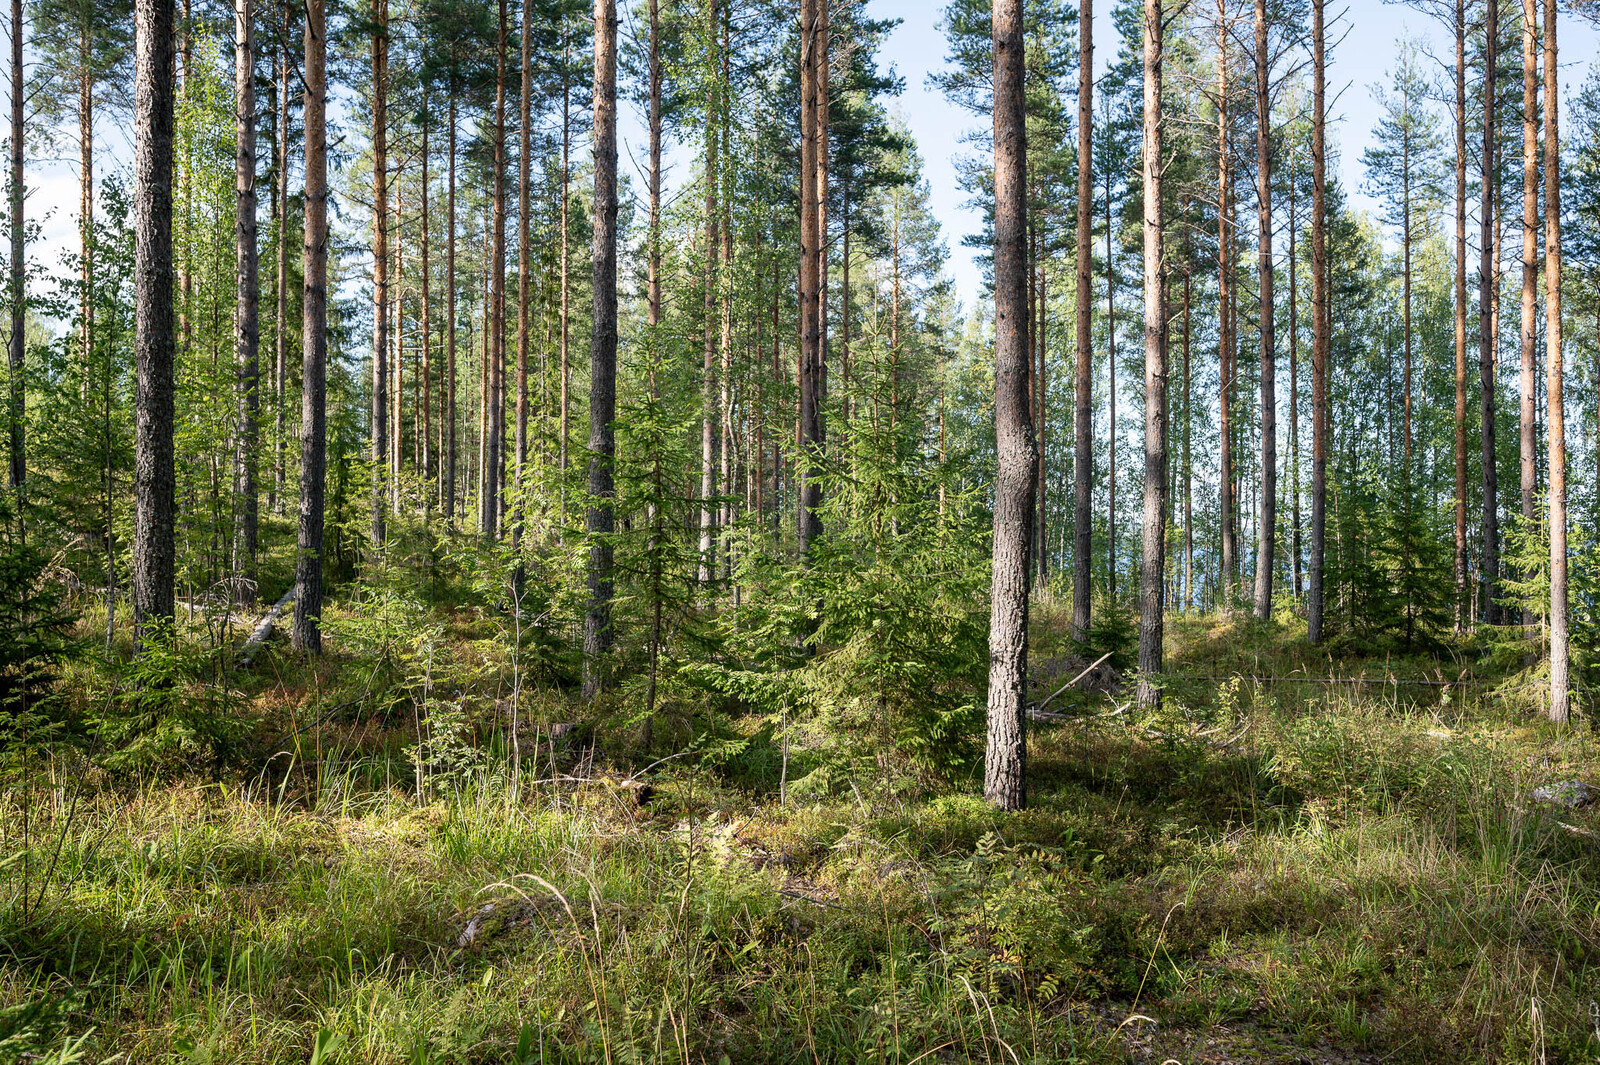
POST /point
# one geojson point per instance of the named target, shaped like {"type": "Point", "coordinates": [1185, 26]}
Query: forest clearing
{"type": "Point", "coordinates": [522, 542]}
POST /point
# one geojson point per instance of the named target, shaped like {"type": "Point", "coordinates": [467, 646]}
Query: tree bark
{"type": "Point", "coordinates": [425, 408]}
{"type": "Point", "coordinates": [1527, 407]}
{"type": "Point", "coordinates": [1267, 521]}
{"type": "Point", "coordinates": [1488, 288]}
{"type": "Point", "coordinates": [1083, 384]}
{"type": "Point", "coordinates": [810, 283]}
{"type": "Point", "coordinates": [246, 312]}
{"type": "Point", "coordinates": [1462, 599]}
{"type": "Point", "coordinates": [313, 404]}
{"type": "Point", "coordinates": [495, 451]}
{"type": "Point", "coordinates": [1005, 760]}
{"type": "Point", "coordinates": [449, 486]}
{"type": "Point", "coordinates": [380, 266]}
{"type": "Point", "coordinates": [280, 382]}
{"type": "Point", "coordinates": [19, 309]}
{"type": "Point", "coordinates": [1560, 692]}
{"type": "Point", "coordinates": [1227, 585]}
{"type": "Point", "coordinates": [154, 480]}
{"type": "Point", "coordinates": [86, 240]}
{"type": "Point", "coordinates": [708, 369]}
{"type": "Point", "coordinates": [524, 280]}
{"type": "Point", "coordinates": [603, 372]}
{"type": "Point", "coordinates": [1294, 387]}
{"type": "Point", "coordinates": [1319, 328]}
{"type": "Point", "coordinates": [1152, 590]}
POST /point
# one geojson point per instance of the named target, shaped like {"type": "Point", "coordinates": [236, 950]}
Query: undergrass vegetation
{"type": "Point", "coordinates": [422, 850]}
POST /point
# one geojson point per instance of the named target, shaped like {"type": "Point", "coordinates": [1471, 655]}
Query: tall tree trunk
{"type": "Point", "coordinates": [1560, 692]}
{"type": "Point", "coordinates": [727, 470]}
{"type": "Point", "coordinates": [653, 297]}
{"type": "Point", "coordinates": [1111, 403]}
{"type": "Point", "coordinates": [603, 372]}
{"type": "Point", "coordinates": [1527, 407]}
{"type": "Point", "coordinates": [497, 296]}
{"type": "Point", "coordinates": [524, 279]}
{"type": "Point", "coordinates": [449, 416]}
{"type": "Point", "coordinates": [246, 314]}
{"type": "Point", "coordinates": [566, 232]}
{"type": "Point", "coordinates": [1083, 382]}
{"type": "Point", "coordinates": [425, 408]}
{"type": "Point", "coordinates": [397, 288]}
{"type": "Point", "coordinates": [86, 241]}
{"type": "Point", "coordinates": [1461, 596]}
{"type": "Point", "coordinates": [1188, 428]}
{"type": "Point", "coordinates": [280, 377]}
{"type": "Point", "coordinates": [1267, 522]}
{"type": "Point", "coordinates": [154, 480]}
{"type": "Point", "coordinates": [313, 405]}
{"type": "Point", "coordinates": [1228, 583]}
{"type": "Point", "coordinates": [380, 266]}
{"type": "Point", "coordinates": [16, 345]}
{"type": "Point", "coordinates": [1152, 590]}
{"type": "Point", "coordinates": [1005, 760]}
{"type": "Point", "coordinates": [1294, 384]}
{"type": "Point", "coordinates": [1488, 288]}
{"type": "Point", "coordinates": [812, 59]}
{"type": "Point", "coordinates": [708, 370]}
{"type": "Point", "coordinates": [1319, 328]}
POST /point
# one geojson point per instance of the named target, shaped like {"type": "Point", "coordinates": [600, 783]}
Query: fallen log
{"type": "Point", "coordinates": [263, 630]}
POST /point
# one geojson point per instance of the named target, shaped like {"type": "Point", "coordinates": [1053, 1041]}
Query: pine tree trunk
{"type": "Point", "coordinates": [524, 280]}
{"type": "Point", "coordinates": [1319, 329]}
{"type": "Point", "coordinates": [603, 372]}
{"type": "Point", "coordinates": [1005, 760]}
{"type": "Point", "coordinates": [1152, 583]}
{"type": "Point", "coordinates": [1489, 564]}
{"type": "Point", "coordinates": [18, 293]}
{"type": "Point", "coordinates": [154, 480]}
{"type": "Point", "coordinates": [86, 240]}
{"type": "Point", "coordinates": [1462, 606]}
{"type": "Point", "coordinates": [449, 415]}
{"type": "Point", "coordinates": [425, 408]}
{"type": "Point", "coordinates": [1083, 381]}
{"type": "Point", "coordinates": [810, 430]}
{"type": "Point", "coordinates": [1294, 386]}
{"type": "Point", "coordinates": [708, 368]}
{"type": "Point", "coordinates": [1225, 342]}
{"type": "Point", "coordinates": [313, 404]}
{"type": "Point", "coordinates": [566, 234]}
{"type": "Point", "coordinates": [1267, 523]}
{"type": "Point", "coordinates": [380, 266]}
{"type": "Point", "coordinates": [280, 383]}
{"type": "Point", "coordinates": [246, 314]}
{"type": "Point", "coordinates": [1188, 428]}
{"type": "Point", "coordinates": [497, 297]}
{"type": "Point", "coordinates": [1527, 407]}
{"type": "Point", "coordinates": [1560, 669]}
{"type": "Point", "coordinates": [1111, 405]}
{"type": "Point", "coordinates": [727, 469]}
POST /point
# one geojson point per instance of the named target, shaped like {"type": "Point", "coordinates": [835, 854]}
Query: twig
{"type": "Point", "coordinates": [1039, 708]}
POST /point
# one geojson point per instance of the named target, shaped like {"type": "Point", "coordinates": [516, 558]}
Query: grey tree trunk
{"type": "Point", "coordinates": [154, 480]}
{"type": "Point", "coordinates": [280, 377]}
{"type": "Point", "coordinates": [1006, 754]}
{"type": "Point", "coordinates": [18, 292]}
{"type": "Point", "coordinates": [380, 266]}
{"type": "Point", "coordinates": [496, 318]}
{"type": "Point", "coordinates": [810, 429]}
{"type": "Point", "coordinates": [1153, 568]}
{"type": "Point", "coordinates": [449, 479]}
{"type": "Point", "coordinates": [1319, 327]}
{"type": "Point", "coordinates": [1529, 325]}
{"type": "Point", "coordinates": [1560, 668]}
{"type": "Point", "coordinates": [314, 346]}
{"type": "Point", "coordinates": [1267, 521]}
{"type": "Point", "coordinates": [1228, 578]}
{"type": "Point", "coordinates": [524, 277]}
{"type": "Point", "coordinates": [1489, 563]}
{"type": "Point", "coordinates": [246, 310]}
{"type": "Point", "coordinates": [1460, 26]}
{"type": "Point", "coordinates": [708, 370]}
{"type": "Point", "coordinates": [1083, 384]}
{"type": "Point", "coordinates": [603, 363]}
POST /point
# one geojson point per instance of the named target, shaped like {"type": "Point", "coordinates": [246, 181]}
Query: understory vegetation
{"type": "Point", "coordinates": [422, 847]}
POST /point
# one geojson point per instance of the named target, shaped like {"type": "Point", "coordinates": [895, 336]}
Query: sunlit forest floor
{"type": "Point", "coordinates": [1270, 869]}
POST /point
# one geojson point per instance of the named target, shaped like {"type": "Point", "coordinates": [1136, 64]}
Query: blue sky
{"type": "Point", "coordinates": [1363, 57]}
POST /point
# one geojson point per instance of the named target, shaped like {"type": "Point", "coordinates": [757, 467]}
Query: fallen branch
{"type": "Point", "coordinates": [1039, 707]}
{"type": "Point", "coordinates": [264, 630]}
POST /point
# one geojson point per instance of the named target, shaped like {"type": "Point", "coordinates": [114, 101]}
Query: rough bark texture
{"type": "Point", "coordinates": [380, 265]}
{"type": "Point", "coordinates": [524, 274]}
{"type": "Point", "coordinates": [246, 310]}
{"type": "Point", "coordinates": [1267, 520]}
{"type": "Point", "coordinates": [1529, 325]}
{"type": "Point", "coordinates": [1560, 688]}
{"type": "Point", "coordinates": [1083, 386]}
{"type": "Point", "coordinates": [810, 284]}
{"type": "Point", "coordinates": [153, 476]}
{"type": "Point", "coordinates": [1489, 562]}
{"type": "Point", "coordinates": [495, 451]}
{"type": "Point", "coordinates": [1004, 763]}
{"type": "Point", "coordinates": [449, 486]}
{"type": "Point", "coordinates": [1460, 26]}
{"type": "Point", "coordinates": [1319, 328]}
{"type": "Point", "coordinates": [1228, 584]}
{"type": "Point", "coordinates": [1153, 563]}
{"type": "Point", "coordinates": [603, 366]}
{"type": "Point", "coordinates": [708, 365]}
{"type": "Point", "coordinates": [18, 292]}
{"type": "Point", "coordinates": [314, 346]}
